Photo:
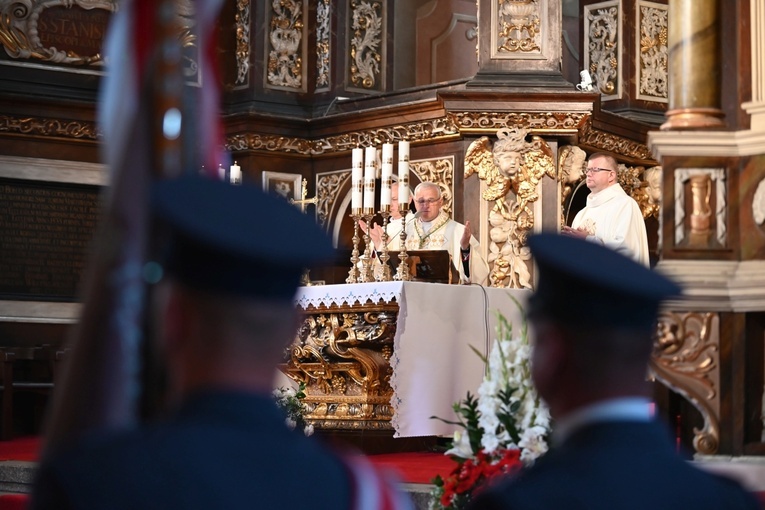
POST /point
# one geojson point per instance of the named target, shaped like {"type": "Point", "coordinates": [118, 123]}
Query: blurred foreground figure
{"type": "Point", "coordinates": [593, 315]}
{"type": "Point", "coordinates": [224, 315]}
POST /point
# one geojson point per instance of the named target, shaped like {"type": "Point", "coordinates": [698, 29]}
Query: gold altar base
{"type": "Point", "coordinates": [342, 354]}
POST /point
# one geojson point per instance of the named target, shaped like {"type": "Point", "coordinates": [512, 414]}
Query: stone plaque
{"type": "Point", "coordinates": [45, 233]}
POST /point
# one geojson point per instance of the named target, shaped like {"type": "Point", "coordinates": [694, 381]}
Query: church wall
{"type": "Point", "coordinates": [307, 131]}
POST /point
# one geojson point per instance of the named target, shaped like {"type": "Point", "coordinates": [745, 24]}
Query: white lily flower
{"type": "Point", "coordinates": [461, 446]}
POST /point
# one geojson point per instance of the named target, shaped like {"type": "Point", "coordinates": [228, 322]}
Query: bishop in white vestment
{"type": "Point", "coordinates": [443, 233]}
{"type": "Point", "coordinates": [433, 229]}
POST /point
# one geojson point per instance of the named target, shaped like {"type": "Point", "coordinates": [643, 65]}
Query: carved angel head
{"type": "Point", "coordinates": [508, 151]}
{"type": "Point", "coordinates": [572, 161]}
{"type": "Point", "coordinates": [653, 185]}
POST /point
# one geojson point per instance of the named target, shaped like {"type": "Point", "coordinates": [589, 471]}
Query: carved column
{"type": "Point", "coordinates": [520, 44]}
{"type": "Point", "coordinates": [694, 65]}
{"type": "Point", "coordinates": [756, 107]}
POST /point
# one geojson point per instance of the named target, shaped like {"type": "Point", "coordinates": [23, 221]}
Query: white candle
{"type": "Point", "coordinates": [403, 174]}
{"type": "Point", "coordinates": [357, 177]}
{"type": "Point", "coordinates": [221, 172]}
{"type": "Point", "coordinates": [369, 178]}
{"type": "Point", "coordinates": [235, 174]}
{"type": "Point", "coordinates": [387, 173]}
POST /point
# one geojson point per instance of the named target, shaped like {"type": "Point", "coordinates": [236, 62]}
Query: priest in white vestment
{"type": "Point", "coordinates": [611, 217]}
{"type": "Point", "coordinates": [433, 229]}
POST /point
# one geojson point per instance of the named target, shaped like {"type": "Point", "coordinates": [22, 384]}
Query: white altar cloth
{"type": "Point", "coordinates": [433, 365]}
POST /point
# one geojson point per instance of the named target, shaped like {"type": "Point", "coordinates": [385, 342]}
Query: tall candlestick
{"type": "Point", "coordinates": [235, 174]}
{"type": "Point", "coordinates": [369, 180]}
{"type": "Point", "coordinates": [357, 179]}
{"type": "Point", "coordinates": [403, 174]}
{"type": "Point", "coordinates": [387, 176]}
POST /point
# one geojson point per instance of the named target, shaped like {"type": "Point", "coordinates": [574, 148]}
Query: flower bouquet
{"type": "Point", "coordinates": [505, 427]}
{"type": "Point", "coordinates": [290, 401]}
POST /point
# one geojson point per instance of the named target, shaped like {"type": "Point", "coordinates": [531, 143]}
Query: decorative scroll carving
{"type": "Point", "coordinates": [323, 25]}
{"type": "Point", "coordinates": [342, 354]}
{"type": "Point", "coordinates": [608, 142]}
{"type": "Point", "coordinates": [629, 179]}
{"type": "Point", "coordinates": [285, 62]}
{"type": "Point", "coordinates": [49, 127]}
{"type": "Point", "coordinates": [686, 359]}
{"type": "Point", "coordinates": [327, 192]}
{"type": "Point", "coordinates": [633, 180]}
{"type": "Point", "coordinates": [518, 26]}
{"type": "Point", "coordinates": [242, 19]}
{"type": "Point", "coordinates": [490, 122]}
{"type": "Point", "coordinates": [23, 37]}
{"type": "Point", "coordinates": [513, 165]}
{"type": "Point", "coordinates": [700, 201]}
{"type": "Point", "coordinates": [652, 69]}
{"type": "Point", "coordinates": [440, 171]}
{"type": "Point", "coordinates": [432, 130]}
{"type": "Point", "coordinates": [366, 43]}
{"type": "Point", "coordinates": [603, 49]}
{"type": "Point", "coordinates": [447, 127]}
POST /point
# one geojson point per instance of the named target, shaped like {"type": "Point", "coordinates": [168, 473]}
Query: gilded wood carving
{"type": "Point", "coordinates": [512, 169]}
{"type": "Point", "coordinates": [242, 20]}
{"type": "Point", "coordinates": [55, 32]}
{"type": "Point", "coordinates": [602, 54]}
{"type": "Point", "coordinates": [686, 359]}
{"type": "Point", "coordinates": [342, 354]}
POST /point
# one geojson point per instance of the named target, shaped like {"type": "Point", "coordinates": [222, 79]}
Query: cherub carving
{"type": "Point", "coordinates": [512, 170]}
{"type": "Point", "coordinates": [572, 161]}
{"type": "Point", "coordinates": [652, 178]}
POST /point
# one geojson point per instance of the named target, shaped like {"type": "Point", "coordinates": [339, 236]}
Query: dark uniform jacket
{"type": "Point", "coordinates": [221, 450]}
{"type": "Point", "coordinates": [616, 466]}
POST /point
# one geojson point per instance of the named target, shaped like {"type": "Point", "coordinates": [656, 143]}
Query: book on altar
{"type": "Point", "coordinates": [433, 266]}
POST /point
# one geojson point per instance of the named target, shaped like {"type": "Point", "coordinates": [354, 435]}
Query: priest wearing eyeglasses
{"type": "Point", "coordinates": [611, 217]}
{"type": "Point", "coordinates": [433, 229]}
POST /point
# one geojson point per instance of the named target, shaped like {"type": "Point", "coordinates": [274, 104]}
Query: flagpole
{"type": "Point", "coordinates": [140, 113]}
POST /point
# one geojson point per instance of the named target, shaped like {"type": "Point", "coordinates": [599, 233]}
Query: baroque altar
{"type": "Point", "coordinates": [390, 355]}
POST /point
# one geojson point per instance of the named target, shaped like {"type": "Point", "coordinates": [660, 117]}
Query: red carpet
{"type": "Point", "coordinates": [23, 448]}
{"type": "Point", "coordinates": [411, 467]}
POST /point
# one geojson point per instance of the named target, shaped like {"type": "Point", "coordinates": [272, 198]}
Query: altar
{"type": "Point", "coordinates": [390, 355]}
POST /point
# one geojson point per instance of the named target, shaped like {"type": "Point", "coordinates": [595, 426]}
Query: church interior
{"type": "Point", "coordinates": [674, 90]}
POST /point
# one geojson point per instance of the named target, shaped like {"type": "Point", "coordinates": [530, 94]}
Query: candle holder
{"type": "Point", "coordinates": [353, 274]}
{"type": "Point", "coordinates": [385, 273]}
{"type": "Point", "coordinates": [367, 274]}
{"type": "Point", "coordinates": [402, 272]}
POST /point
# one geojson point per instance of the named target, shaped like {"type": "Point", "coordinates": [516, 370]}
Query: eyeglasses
{"type": "Point", "coordinates": [596, 169]}
{"type": "Point", "coordinates": [428, 201]}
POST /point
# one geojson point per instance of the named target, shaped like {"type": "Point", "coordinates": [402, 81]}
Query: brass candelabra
{"type": "Point", "coordinates": [402, 272]}
{"type": "Point", "coordinates": [353, 274]}
{"type": "Point", "coordinates": [385, 274]}
{"type": "Point", "coordinates": [367, 273]}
